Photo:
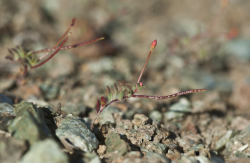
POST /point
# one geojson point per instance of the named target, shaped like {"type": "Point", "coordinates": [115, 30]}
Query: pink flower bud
{"type": "Point", "coordinates": [153, 44]}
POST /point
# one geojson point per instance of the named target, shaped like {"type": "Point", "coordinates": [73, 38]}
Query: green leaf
{"type": "Point", "coordinates": [123, 88]}
{"type": "Point", "coordinates": [121, 95]}
{"type": "Point", "coordinates": [132, 85]}
{"type": "Point", "coordinates": [142, 87]}
{"type": "Point", "coordinates": [110, 94]}
{"type": "Point", "coordinates": [130, 93]}
{"type": "Point", "coordinates": [116, 91]}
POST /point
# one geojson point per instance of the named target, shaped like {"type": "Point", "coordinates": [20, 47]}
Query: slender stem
{"type": "Point", "coordinates": [59, 48]}
{"type": "Point", "coordinates": [149, 97]}
{"type": "Point", "coordinates": [138, 81]}
{"type": "Point", "coordinates": [157, 97]}
{"type": "Point", "coordinates": [168, 96]}
{"type": "Point", "coordinates": [47, 53]}
{"type": "Point", "coordinates": [69, 46]}
{"type": "Point", "coordinates": [92, 124]}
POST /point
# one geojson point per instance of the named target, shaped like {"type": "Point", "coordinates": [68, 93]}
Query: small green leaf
{"type": "Point", "coordinates": [132, 85]}
{"type": "Point", "coordinates": [121, 95]}
{"type": "Point", "coordinates": [130, 93]}
{"type": "Point", "coordinates": [116, 90]}
{"type": "Point", "coordinates": [123, 88]}
{"type": "Point", "coordinates": [29, 53]}
{"type": "Point", "coordinates": [110, 94]}
{"type": "Point", "coordinates": [142, 87]}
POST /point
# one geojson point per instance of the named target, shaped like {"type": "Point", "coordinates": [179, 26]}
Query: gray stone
{"type": "Point", "coordinates": [223, 140]}
{"type": "Point", "coordinates": [107, 115]}
{"type": "Point", "coordinates": [155, 157]}
{"type": "Point", "coordinates": [45, 151]}
{"type": "Point", "coordinates": [6, 108]}
{"type": "Point", "coordinates": [75, 109]}
{"type": "Point", "coordinates": [50, 91]}
{"type": "Point", "coordinates": [76, 131]}
{"type": "Point", "coordinates": [156, 147]}
{"type": "Point", "coordinates": [115, 144]}
{"type": "Point", "coordinates": [29, 123]}
{"type": "Point", "coordinates": [7, 115]}
{"type": "Point", "coordinates": [237, 142]}
{"type": "Point", "coordinates": [11, 149]}
{"type": "Point", "coordinates": [156, 116]}
{"type": "Point", "coordinates": [186, 159]}
{"type": "Point", "coordinates": [91, 158]}
{"type": "Point", "coordinates": [178, 110]}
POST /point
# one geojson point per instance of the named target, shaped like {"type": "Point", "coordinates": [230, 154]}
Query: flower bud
{"type": "Point", "coordinates": [153, 44]}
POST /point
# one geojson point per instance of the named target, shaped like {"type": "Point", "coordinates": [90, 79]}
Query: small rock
{"type": "Point", "coordinates": [75, 109]}
{"type": "Point", "coordinates": [102, 149]}
{"type": "Point", "coordinates": [76, 131]}
{"type": "Point", "coordinates": [155, 147]}
{"type": "Point", "coordinates": [115, 144]}
{"type": "Point", "coordinates": [6, 108]}
{"type": "Point", "coordinates": [7, 115]}
{"type": "Point", "coordinates": [131, 112]}
{"type": "Point", "coordinates": [91, 158]}
{"type": "Point", "coordinates": [108, 115]}
{"type": "Point", "coordinates": [155, 157]}
{"type": "Point", "coordinates": [45, 151]}
{"type": "Point", "coordinates": [173, 156]}
{"type": "Point", "coordinates": [140, 119]}
{"type": "Point", "coordinates": [236, 142]}
{"type": "Point", "coordinates": [187, 160]}
{"type": "Point", "coordinates": [11, 149]}
{"type": "Point", "coordinates": [223, 140]}
{"type": "Point", "coordinates": [178, 110]}
{"type": "Point", "coordinates": [50, 91]}
{"type": "Point", "coordinates": [241, 154]}
{"type": "Point", "coordinates": [156, 116]}
{"type": "Point", "coordinates": [29, 118]}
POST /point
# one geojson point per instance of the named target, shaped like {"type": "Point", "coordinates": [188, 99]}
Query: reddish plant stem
{"type": "Point", "coordinates": [69, 46]}
{"type": "Point", "coordinates": [157, 97]}
{"type": "Point", "coordinates": [47, 53]}
{"type": "Point", "coordinates": [138, 81]}
{"type": "Point", "coordinates": [92, 125]}
{"type": "Point", "coordinates": [58, 49]}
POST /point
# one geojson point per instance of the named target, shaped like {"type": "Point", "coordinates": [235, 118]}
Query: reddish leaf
{"type": "Point", "coordinates": [97, 106]}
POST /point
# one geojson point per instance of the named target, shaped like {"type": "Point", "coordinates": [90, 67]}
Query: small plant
{"type": "Point", "coordinates": [30, 60]}
{"type": "Point", "coordinates": [129, 90]}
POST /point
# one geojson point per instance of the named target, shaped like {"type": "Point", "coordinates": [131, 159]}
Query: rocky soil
{"type": "Point", "coordinates": [200, 45]}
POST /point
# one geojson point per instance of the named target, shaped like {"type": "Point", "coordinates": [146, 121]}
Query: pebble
{"type": "Point", "coordinates": [140, 119]}
{"type": "Point", "coordinates": [45, 151]}
{"type": "Point", "coordinates": [29, 123]}
{"type": "Point", "coordinates": [76, 131]}
{"type": "Point", "coordinates": [7, 114]}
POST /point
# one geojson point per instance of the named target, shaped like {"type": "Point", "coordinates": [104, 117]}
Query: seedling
{"type": "Point", "coordinates": [129, 90]}
{"type": "Point", "coordinates": [30, 60]}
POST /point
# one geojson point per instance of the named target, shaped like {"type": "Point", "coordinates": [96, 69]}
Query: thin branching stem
{"type": "Point", "coordinates": [58, 49]}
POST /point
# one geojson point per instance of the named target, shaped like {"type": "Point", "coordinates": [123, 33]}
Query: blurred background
{"type": "Point", "coordinates": [201, 44]}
